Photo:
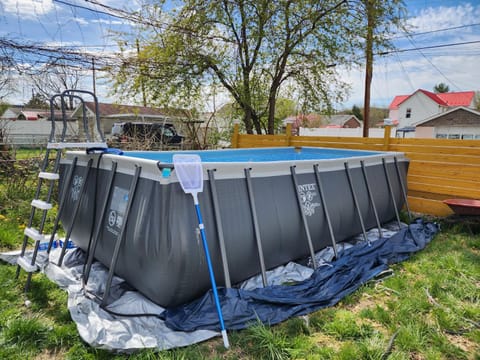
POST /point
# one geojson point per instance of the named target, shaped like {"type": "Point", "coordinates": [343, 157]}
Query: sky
{"type": "Point", "coordinates": [444, 45]}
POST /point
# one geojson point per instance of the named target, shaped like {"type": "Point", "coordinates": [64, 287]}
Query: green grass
{"type": "Point", "coordinates": [428, 309]}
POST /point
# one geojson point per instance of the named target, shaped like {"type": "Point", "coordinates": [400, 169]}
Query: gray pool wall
{"type": "Point", "coordinates": [162, 254]}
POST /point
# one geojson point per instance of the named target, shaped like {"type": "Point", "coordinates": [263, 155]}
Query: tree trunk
{"type": "Point", "coordinates": [271, 115]}
{"type": "Point", "coordinates": [370, 7]}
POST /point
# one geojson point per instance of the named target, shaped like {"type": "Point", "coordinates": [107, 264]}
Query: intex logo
{"type": "Point", "coordinates": [76, 186]}
{"type": "Point", "coordinates": [307, 193]}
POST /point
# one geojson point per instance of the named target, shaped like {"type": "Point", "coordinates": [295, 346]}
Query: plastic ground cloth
{"type": "Point", "coordinates": [325, 287]}
{"type": "Point", "coordinates": [131, 321]}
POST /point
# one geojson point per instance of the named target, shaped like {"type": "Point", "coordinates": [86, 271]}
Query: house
{"type": "Point", "coordinates": [31, 127]}
{"type": "Point", "coordinates": [322, 121]}
{"type": "Point", "coordinates": [406, 110]}
{"type": "Point", "coordinates": [343, 121]}
{"type": "Point", "coordinates": [457, 123]}
{"type": "Point", "coordinates": [11, 114]}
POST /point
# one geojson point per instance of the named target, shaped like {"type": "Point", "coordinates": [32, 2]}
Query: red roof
{"type": "Point", "coordinates": [463, 98]}
{"type": "Point", "coordinates": [432, 96]}
{"type": "Point", "coordinates": [397, 100]}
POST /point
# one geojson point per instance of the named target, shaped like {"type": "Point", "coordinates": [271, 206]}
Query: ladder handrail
{"type": "Point", "coordinates": [97, 111]}
{"type": "Point", "coordinates": [71, 93]}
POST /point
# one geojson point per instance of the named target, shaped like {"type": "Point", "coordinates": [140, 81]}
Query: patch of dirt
{"type": "Point", "coordinates": [464, 343]}
{"type": "Point", "coordinates": [48, 355]}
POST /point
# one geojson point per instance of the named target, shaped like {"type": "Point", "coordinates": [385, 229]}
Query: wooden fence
{"type": "Point", "coordinates": [439, 168]}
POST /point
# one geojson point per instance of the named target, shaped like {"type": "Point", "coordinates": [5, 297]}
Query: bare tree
{"type": "Point", "coordinates": [55, 78]}
{"type": "Point", "coordinates": [6, 77]}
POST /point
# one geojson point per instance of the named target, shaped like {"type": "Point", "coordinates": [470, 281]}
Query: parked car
{"type": "Point", "coordinates": [163, 133]}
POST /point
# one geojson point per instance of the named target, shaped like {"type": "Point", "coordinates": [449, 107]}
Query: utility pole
{"type": "Point", "coordinates": [370, 8]}
{"type": "Point", "coordinates": [93, 71]}
{"type": "Point", "coordinates": [142, 84]}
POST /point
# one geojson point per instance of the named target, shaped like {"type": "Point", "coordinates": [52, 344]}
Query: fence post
{"type": "Point", "coordinates": [386, 137]}
{"type": "Point", "coordinates": [236, 130]}
{"type": "Point", "coordinates": [288, 132]}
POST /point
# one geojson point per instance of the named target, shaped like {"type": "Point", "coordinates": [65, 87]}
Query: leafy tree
{"type": "Point", "coordinates": [357, 112]}
{"type": "Point", "coordinates": [441, 88]}
{"type": "Point", "coordinates": [258, 50]}
{"type": "Point", "coordinates": [37, 101]}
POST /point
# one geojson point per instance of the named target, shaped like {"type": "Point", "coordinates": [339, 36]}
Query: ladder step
{"type": "Point", "coordinates": [33, 234]}
{"type": "Point", "coordinates": [40, 204]}
{"type": "Point", "coordinates": [86, 145]}
{"type": "Point", "coordinates": [26, 264]}
{"type": "Point", "coordinates": [48, 175]}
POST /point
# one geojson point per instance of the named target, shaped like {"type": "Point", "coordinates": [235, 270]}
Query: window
{"type": "Point", "coordinates": [454, 136]}
{"type": "Point", "coordinates": [467, 137]}
{"type": "Point", "coordinates": [408, 114]}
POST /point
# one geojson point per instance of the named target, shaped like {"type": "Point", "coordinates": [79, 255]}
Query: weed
{"type": "Point", "coordinates": [26, 333]}
{"type": "Point", "coordinates": [320, 318]}
{"type": "Point", "coordinates": [262, 342]}
{"type": "Point", "coordinates": [345, 326]}
{"type": "Point", "coordinates": [296, 327]}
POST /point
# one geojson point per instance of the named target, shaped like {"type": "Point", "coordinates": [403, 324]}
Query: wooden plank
{"type": "Point", "coordinates": [439, 169]}
{"type": "Point", "coordinates": [428, 206]}
{"type": "Point", "coordinates": [447, 190]}
{"type": "Point", "coordinates": [339, 139]}
{"type": "Point", "coordinates": [451, 150]}
{"type": "Point", "coordinates": [456, 159]}
{"type": "Point", "coordinates": [335, 145]}
{"type": "Point", "coordinates": [436, 142]}
{"type": "Point", "coordinates": [444, 181]}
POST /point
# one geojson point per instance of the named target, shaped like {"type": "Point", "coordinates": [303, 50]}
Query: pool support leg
{"type": "Point", "coordinates": [121, 236]}
{"type": "Point", "coordinates": [390, 189]}
{"type": "Point", "coordinates": [370, 196]}
{"type": "Point", "coordinates": [75, 211]}
{"type": "Point", "coordinates": [355, 201]}
{"type": "Point", "coordinates": [325, 210]}
{"type": "Point", "coordinates": [92, 244]}
{"type": "Point", "coordinates": [403, 187]}
{"type": "Point", "coordinates": [256, 226]}
{"type": "Point", "coordinates": [218, 221]}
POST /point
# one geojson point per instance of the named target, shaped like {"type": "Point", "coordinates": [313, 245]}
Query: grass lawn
{"type": "Point", "coordinates": [428, 309]}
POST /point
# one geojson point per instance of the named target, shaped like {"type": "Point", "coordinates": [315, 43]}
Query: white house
{"type": "Point", "coordinates": [457, 123]}
{"type": "Point", "coordinates": [407, 110]}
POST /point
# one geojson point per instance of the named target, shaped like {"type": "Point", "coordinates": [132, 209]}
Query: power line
{"type": "Point", "coordinates": [434, 31]}
{"type": "Point", "coordinates": [427, 47]}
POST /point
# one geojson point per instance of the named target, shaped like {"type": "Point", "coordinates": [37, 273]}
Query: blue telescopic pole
{"type": "Point", "coordinates": [210, 270]}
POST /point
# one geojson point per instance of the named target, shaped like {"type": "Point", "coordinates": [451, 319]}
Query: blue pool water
{"type": "Point", "coordinates": [255, 155]}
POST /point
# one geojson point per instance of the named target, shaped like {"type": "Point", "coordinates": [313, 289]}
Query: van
{"type": "Point", "coordinates": [163, 133]}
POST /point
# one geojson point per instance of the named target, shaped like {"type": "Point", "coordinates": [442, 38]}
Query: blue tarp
{"type": "Point", "coordinates": [326, 287]}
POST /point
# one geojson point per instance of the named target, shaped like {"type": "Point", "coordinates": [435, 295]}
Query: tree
{"type": "Point", "coordinates": [441, 88]}
{"type": "Point", "coordinates": [357, 112]}
{"type": "Point", "coordinates": [55, 78]}
{"type": "Point", "coordinates": [6, 77]}
{"type": "Point", "coordinates": [37, 101]}
{"type": "Point", "coordinates": [256, 49]}
{"type": "Point", "coordinates": [380, 17]}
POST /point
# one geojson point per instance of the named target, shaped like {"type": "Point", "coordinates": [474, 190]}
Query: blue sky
{"type": "Point", "coordinates": [433, 23]}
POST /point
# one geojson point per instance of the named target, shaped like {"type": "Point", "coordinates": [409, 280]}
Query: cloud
{"type": "Point", "coordinates": [434, 18]}
{"type": "Point", "coordinates": [108, 22]}
{"type": "Point", "coordinates": [80, 20]}
{"type": "Point", "coordinates": [27, 8]}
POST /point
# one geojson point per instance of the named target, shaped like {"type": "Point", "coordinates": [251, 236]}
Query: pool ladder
{"type": "Point", "coordinates": [48, 177]}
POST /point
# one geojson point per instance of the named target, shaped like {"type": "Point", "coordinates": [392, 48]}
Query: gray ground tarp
{"type": "Point", "coordinates": [104, 328]}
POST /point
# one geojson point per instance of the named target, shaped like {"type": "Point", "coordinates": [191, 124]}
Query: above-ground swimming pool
{"type": "Point", "coordinates": [261, 208]}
